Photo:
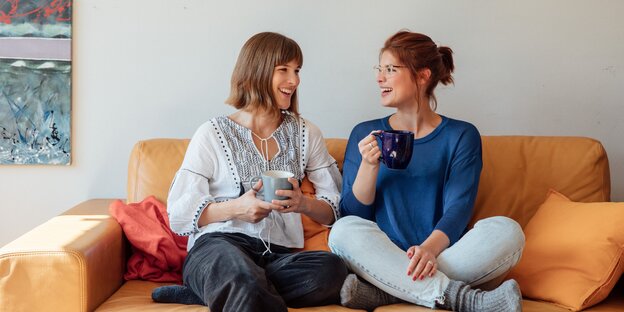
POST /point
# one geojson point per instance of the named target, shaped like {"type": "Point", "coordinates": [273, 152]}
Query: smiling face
{"type": "Point", "coordinates": [285, 83]}
{"type": "Point", "coordinates": [398, 89]}
{"type": "Point", "coordinates": [265, 75]}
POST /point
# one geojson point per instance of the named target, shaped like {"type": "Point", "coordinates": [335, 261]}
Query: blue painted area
{"type": "Point", "coordinates": [35, 112]}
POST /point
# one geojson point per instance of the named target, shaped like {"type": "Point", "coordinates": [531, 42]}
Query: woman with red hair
{"type": "Point", "coordinates": [404, 232]}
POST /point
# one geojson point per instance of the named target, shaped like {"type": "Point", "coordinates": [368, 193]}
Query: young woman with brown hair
{"type": "Point", "coordinates": [240, 247]}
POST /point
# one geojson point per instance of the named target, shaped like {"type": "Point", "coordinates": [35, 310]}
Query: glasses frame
{"type": "Point", "coordinates": [387, 70]}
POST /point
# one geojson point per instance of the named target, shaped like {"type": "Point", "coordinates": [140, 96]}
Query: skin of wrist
{"type": "Point", "coordinates": [435, 251]}
{"type": "Point", "coordinates": [368, 166]}
{"type": "Point", "coordinates": [238, 210]}
{"type": "Point", "coordinates": [436, 243]}
{"type": "Point", "coordinates": [305, 205]}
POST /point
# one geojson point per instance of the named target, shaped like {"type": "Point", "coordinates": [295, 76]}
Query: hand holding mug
{"type": "Point", "coordinates": [369, 150]}
{"type": "Point", "coordinates": [252, 209]}
{"type": "Point", "coordinates": [295, 201]}
{"type": "Point", "coordinates": [273, 180]}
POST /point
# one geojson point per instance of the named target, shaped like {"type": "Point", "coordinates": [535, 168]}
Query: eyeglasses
{"type": "Point", "coordinates": [388, 70]}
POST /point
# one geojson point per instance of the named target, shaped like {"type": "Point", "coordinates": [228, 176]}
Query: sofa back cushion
{"type": "Point", "coordinates": [153, 164]}
{"type": "Point", "coordinates": [517, 171]}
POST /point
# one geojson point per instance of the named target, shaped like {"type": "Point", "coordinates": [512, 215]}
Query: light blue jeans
{"type": "Point", "coordinates": [489, 250]}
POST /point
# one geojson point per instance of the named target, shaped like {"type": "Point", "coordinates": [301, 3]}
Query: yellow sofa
{"type": "Point", "coordinates": [75, 261]}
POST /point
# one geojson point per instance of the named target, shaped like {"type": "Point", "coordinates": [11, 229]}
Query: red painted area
{"type": "Point", "coordinates": [59, 9]}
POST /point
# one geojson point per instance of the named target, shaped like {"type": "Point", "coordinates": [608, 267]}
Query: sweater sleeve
{"type": "Point", "coordinates": [189, 193]}
{"type": "Point", "coordinates": [349, 205]}
{"type": "Point", "coordinates": [460, 188]}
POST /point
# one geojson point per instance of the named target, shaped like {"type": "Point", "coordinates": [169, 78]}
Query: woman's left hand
{"type": "Point", "coordinates": [423, 263]}
{"type": "Point", "coordinates": [296, 201]}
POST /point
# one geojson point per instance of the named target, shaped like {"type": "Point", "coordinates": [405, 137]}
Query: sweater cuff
{"type": "Point", "coordinates": [350, 205]}
{"type": "Point", "coordinates": [452, 232]}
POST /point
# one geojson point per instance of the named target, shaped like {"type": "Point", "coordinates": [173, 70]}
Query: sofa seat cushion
{"type": "Point", "coordinates": [527, 306]}
{"type": "Point", "coordinates": [137, 296]}
{"type": "Point", "coordinates": [614, 303]}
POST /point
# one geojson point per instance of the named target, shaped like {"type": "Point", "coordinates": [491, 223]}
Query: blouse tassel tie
{"type": "Point", "coordinates": [264, 151]}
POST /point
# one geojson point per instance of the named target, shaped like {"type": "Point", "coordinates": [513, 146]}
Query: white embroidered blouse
{"type": "Point", "coordinates": [221, 159]}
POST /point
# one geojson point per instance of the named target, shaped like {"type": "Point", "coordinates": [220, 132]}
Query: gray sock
{"type": "Point", "coordinates": [460, 297]}
{"type": "Point", "coordinates": [359, 294]}
{"type": "Point", "coordinates": [175, 294]}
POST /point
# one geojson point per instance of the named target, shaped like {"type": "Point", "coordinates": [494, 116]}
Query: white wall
{"type": "Point", "coordinates": [154, 68]}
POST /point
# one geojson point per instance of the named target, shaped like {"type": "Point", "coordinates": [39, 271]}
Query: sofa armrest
{"type": "Point", "coordinates": [72, 262]}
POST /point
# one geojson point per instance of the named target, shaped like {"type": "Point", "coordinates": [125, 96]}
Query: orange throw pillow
{"type": "Point", "coordinates": [573, 252]}
{"type": "Point", "coordinates": [315, 234]}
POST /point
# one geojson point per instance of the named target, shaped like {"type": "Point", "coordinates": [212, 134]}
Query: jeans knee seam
{"type": "Point", "coordinates": [506, 260]}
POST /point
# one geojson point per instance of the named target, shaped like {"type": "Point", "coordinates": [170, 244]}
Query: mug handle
{"type": "Point", "coordinates": [253, 181]}
{"type": "Point", "coordinates": [380, 136]}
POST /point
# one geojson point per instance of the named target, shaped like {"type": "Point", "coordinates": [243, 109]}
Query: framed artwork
{"type": "Point", "coordinates": [35, 82]}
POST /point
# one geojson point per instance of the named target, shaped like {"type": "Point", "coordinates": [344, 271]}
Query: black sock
{"type": "Point", "coordinates": [175, 294]}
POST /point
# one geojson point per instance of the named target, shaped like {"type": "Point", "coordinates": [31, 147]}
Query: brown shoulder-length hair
{"type": "Point", "coordinates": [417, 52]}
{"type": "Point", "coordinates": [251, 85]}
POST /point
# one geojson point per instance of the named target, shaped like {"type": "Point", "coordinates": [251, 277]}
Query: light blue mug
{"type": "Point", "coordinates": [273, 180]}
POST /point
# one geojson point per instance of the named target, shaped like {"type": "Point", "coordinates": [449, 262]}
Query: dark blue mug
{"type": "Point", "coordinates": [396, 148]}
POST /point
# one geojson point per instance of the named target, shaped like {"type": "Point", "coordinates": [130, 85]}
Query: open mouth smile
{"type": "Point", "coordinates": [385, 91]}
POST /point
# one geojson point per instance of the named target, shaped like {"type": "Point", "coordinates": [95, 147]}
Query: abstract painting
{"type": "Point", "coordinates": [35, 82]}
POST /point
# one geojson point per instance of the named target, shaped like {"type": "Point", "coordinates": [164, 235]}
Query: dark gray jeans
{"type": "Point", "coordinates": [229, 273]}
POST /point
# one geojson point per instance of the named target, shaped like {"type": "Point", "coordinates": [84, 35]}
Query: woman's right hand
{"type": "Point", "coordinates": [252, 209]}
{"type": "Point", "coordinates": [369, 149]}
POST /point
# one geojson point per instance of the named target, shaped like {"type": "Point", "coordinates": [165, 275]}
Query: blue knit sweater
{"type": "Point", "coordinates": [436, 191]}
